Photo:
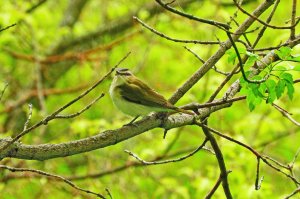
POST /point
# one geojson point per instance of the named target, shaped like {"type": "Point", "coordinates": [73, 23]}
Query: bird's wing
{"type": "Point", "coordinates": [138, 92]}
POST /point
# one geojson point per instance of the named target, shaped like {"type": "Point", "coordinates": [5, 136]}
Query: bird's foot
{"type": "Point", "coordinates": [163, 116]}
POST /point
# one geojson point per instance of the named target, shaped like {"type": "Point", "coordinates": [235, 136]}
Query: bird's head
{"type": "Point", "coordinates": [123, 72]}
{"type": "Point", "coordinates": [123, 75]}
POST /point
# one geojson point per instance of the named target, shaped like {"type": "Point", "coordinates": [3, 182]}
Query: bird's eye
{"type": "Point", "coordinates": [125, 74]}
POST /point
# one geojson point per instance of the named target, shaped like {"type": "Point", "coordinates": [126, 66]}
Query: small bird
{"type": "Point", "coordinates": [135, 98]}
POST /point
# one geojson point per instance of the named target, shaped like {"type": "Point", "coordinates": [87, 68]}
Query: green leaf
{"type": "Point", "coordinates": [271, 85]}
{"type": "Point", "coordinates": [290, 90]}
{"type": "Point", "coordinates": [231, 57]}
{"type": "Point", "coordinates": [251, 59]}
{"type": "Point", "coordinates": [280, 88]}
{"type": "Point", "coordinates": [251, 106]}
{"type": "Point", "coordinates": [287, 76]}
{"type": "Point", "coordinates": [241, 50]}
{"type": "Point", "coordinates": [284, 53]}
{"type": "Point", "coordinates": [280, 68]}
{"type": "Point", "coordinates": [250, 101]}
{"type": "Point", "coordinates": [244, 91]}
{"type": "Point", "coordinates": [262, 89]}
{"type": "Point", "coordinates": [295, 58]}
{"type": "Point", "coordinates": [271, 97]}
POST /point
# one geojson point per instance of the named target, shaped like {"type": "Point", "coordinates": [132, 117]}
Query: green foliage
{"type": "Point", "coordinates": [272, 86]}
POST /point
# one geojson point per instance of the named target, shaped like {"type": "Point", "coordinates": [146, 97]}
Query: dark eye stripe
{"type": "Point", "coordinates": [125, 74]}
{"type": "Point", "coordinates": [123, 69]}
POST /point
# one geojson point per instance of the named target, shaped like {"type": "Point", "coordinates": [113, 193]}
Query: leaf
{"type": "Point", "coordinates": [250, 101]}
{"type": "Point", "coordinates": [251, 59]}
{"type": "Point", "coordinates": [231, 57]}
{"type": "Point", "coordinates": [262, 89]}
{"type": "Point", "coordinates": [244, 91]}
{"type": "Point", "coordinates": [280, 68]}
{"type": "Point", "coordinates": [295, 58]}
{"type": "Point", "coordinates": [251, 106]}
{"type": "Point", "coordinates": [284, 53]}
{"type": "Point", "coordinates": [271, 85]}
{"type": "Point", "coordinates": [255, 89]}
{"type": "Point", "coordinates": [290, 90]}
{"type": "Point", "coordinates": [287, 76]}
{"type": "Point", "coordinates": [280, 88]}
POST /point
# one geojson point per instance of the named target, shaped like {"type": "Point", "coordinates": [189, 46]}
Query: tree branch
{"type": "Point", "coordinates": [101, 140]}
{"type": "Point", "coordinates": [167, 161]}
{"type": "Point", "coordinates": [12, 169]}
{"type": "Point", "coordinates": [219, 156]}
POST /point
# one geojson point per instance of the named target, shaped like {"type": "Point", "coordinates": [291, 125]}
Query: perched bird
{"type": "Point", "coordinates": [135, 98]}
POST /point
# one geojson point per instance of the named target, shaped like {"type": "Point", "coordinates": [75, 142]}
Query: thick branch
{"type": "Point", "coordinates": [220, 158]}
{"type": "Point", "coordinates": [101, 140]}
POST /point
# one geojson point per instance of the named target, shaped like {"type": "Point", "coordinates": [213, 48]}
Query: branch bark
{"type": "Point", "coordinates": [101, 140]}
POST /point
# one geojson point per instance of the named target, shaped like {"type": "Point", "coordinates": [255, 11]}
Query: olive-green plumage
{"type": "Point", "coordinates": [134, 97]}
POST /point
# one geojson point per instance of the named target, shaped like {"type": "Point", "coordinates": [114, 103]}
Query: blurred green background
{"type": "Point", "coordinates": [61, 47]}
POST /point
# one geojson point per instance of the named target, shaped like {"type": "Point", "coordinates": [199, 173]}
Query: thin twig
{"type": "Point", "coordinates": [3, 90]}
{"type": "Point", "coordinates": [296, 81]}
{"type": "Point", "coordinates": [32, 8]}
{"type": "Point", "coordinates": [291, 165]}
{"type": "Point", "coordinates": [108, 192]}
{"type": "Point", "coordinates": [265, 160]}
{"type": "Point", "coordinates": [12, 169]}
{"type": "Point", "coordinates": [46, 92]}
{"type": "Point", "coordinates": [202, 61]}
{"type": "Point", "coordinates": [192, 17]}
{"type": "Point", "coordinates": [167, 161]}
{"type": "Point", "coordinates": [172, 39]}
{"type": "Point", "coordinates": [276, 162]}
{"type": "Point", "coordinates": [262, 22]}
{"type": "Point", "coordinates": [214, 189]}
{"type": "Point", "coordinates": [261, 32]}
{"type": "Point", "coordinates": [7, 27]}
{"type": "Point", "coordinates": [244, 35]}
{"type": "Point", "coordinates": [81, 111]}
{"type": "Point", "coordinates": [286, 114]}
{"type": "Point", "coordinates": [228, 77]}
{"type": "Point", "coordinates": [294, 193]}
{"type": "Point", "coordinates": [257, 180]}
{"type": "Point", "coordinates": [29, 117]}
{"type": "Point", "coordinates": [193, 106]}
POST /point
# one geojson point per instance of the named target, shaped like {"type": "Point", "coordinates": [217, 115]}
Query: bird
{"type": "Point", "coordinates": [135, 98]}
